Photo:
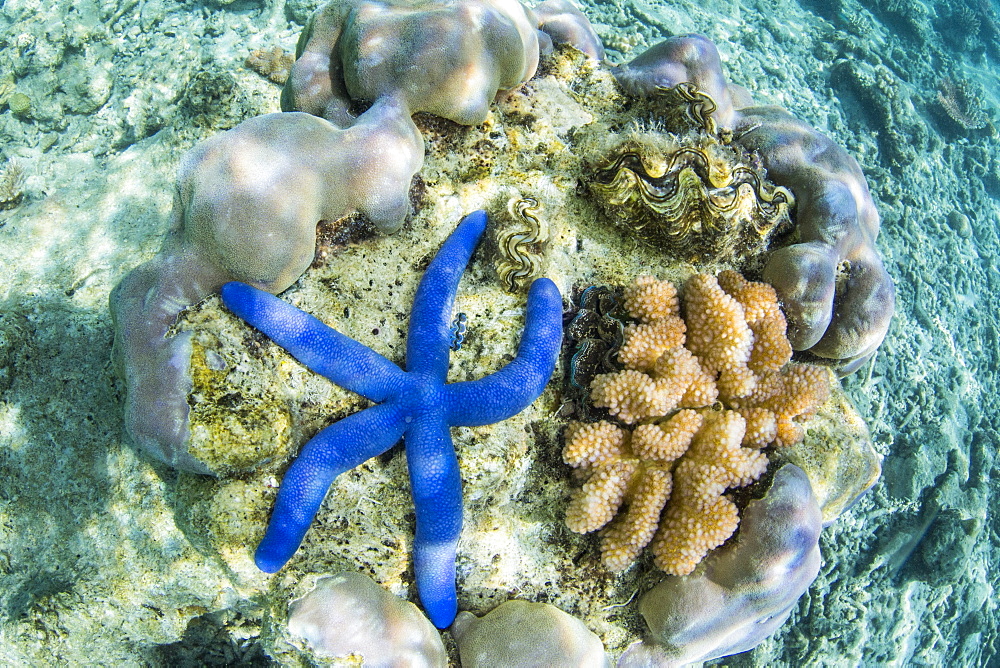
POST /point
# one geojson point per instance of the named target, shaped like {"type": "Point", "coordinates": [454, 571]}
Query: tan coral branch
{"type": "Point", "coordinates": [688, 448]}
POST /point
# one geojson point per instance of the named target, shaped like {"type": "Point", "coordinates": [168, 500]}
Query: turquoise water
{"type": "Point", "coordinates": [98, 564]}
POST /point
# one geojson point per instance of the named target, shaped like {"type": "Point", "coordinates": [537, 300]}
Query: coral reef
{"type": "Point", "coordinates": [530, 142]}
{"type": "Point", "coordinates": [731, 347]}
{"type": "Point", "coordinates": [348, 615]}
{"type": "Point", "coordinates": [838, 456]}
{"type": "Point", "coordinates": [745, 591]}
{"type": "Point", "coordinates": [900, 133]}
{"type": "Point", "coordinates": [836, 292]}
{"type": "Point", "coordinates": [522, 633]}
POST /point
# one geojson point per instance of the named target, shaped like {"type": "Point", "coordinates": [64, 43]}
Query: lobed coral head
{"type": "Point", "coordinates": [838, 296]}
{"type": "Point", "coordinates": [746, 590]}
{"type": "Point", "coordinates": [562, 23]}
{"type": "Point", "coordinates": [349, 615]}
{"type": "Point", "coordinates": [246, 208]}
{"type": "Point", "coordinates": [523, 633]}
{"type": "Point", "coordinates": [444, 57]}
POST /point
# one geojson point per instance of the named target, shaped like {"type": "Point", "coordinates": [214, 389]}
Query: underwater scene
{"type": "Point", "coordinates": [495, 333]}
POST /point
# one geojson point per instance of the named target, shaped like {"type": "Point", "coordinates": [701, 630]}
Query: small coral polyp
{"type": "Point", "coordinates": [707, 392]}
{"type": "Point", "coordinates": [693, 195]}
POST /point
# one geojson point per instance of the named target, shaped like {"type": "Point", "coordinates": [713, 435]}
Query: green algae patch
{"type": "Point", "coordinates": [232, 431]}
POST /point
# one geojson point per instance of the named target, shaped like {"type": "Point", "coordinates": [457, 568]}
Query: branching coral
{"type": "Point", "coordinates": [708, 392]}
{"type": "Point", "coordinates": [961, 103]}
{"type": "Point", "coordinates": [837, 294]}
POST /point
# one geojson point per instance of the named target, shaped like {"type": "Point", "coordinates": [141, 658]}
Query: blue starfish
{"type": "Point", "coordinates": [416, 405]}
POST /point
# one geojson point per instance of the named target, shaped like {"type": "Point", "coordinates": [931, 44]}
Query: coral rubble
{"type": "Point", "coordinates": [730, 347]}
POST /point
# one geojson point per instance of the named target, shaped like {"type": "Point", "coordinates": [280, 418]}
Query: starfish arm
{"type": "Point", "coordinates": [338, 448]}
{"type": "Point", "coordinates": [437, 499]}
{"type": "Point", "coordinates": [326, 351]}
{"type": "Point", "coordinates": [510, 390]}
{"type": "Point", "coordinates": [427, 343]}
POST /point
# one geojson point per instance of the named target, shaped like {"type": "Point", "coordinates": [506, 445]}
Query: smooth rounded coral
{"type": "Point", "coordinates": [248, 200]}
{"type": "Point", "coordinates": [246, 208]}
{"type": "Point", "coordinates": [837, 295]}
{"type": "Point", "coordinates": [448, 58]}
{"type": "Point", "coordinates": [562, 23]}
{"type": "Point", "coordinates": [522, 633]}
{"type": "Point", "coordinates": [349, 615]}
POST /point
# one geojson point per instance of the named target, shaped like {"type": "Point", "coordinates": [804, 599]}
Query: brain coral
{"type": "Point", "coordinates": [708, 390]}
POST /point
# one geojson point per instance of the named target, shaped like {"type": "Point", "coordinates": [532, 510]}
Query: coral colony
{"type": "Point", "coordinates": [730, 347]}
{"type": "Point", "coordinates": [707, 384]}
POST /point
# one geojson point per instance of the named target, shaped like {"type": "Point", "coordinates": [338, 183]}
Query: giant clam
{"type": "Point", "coordinates": [698, 198]}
